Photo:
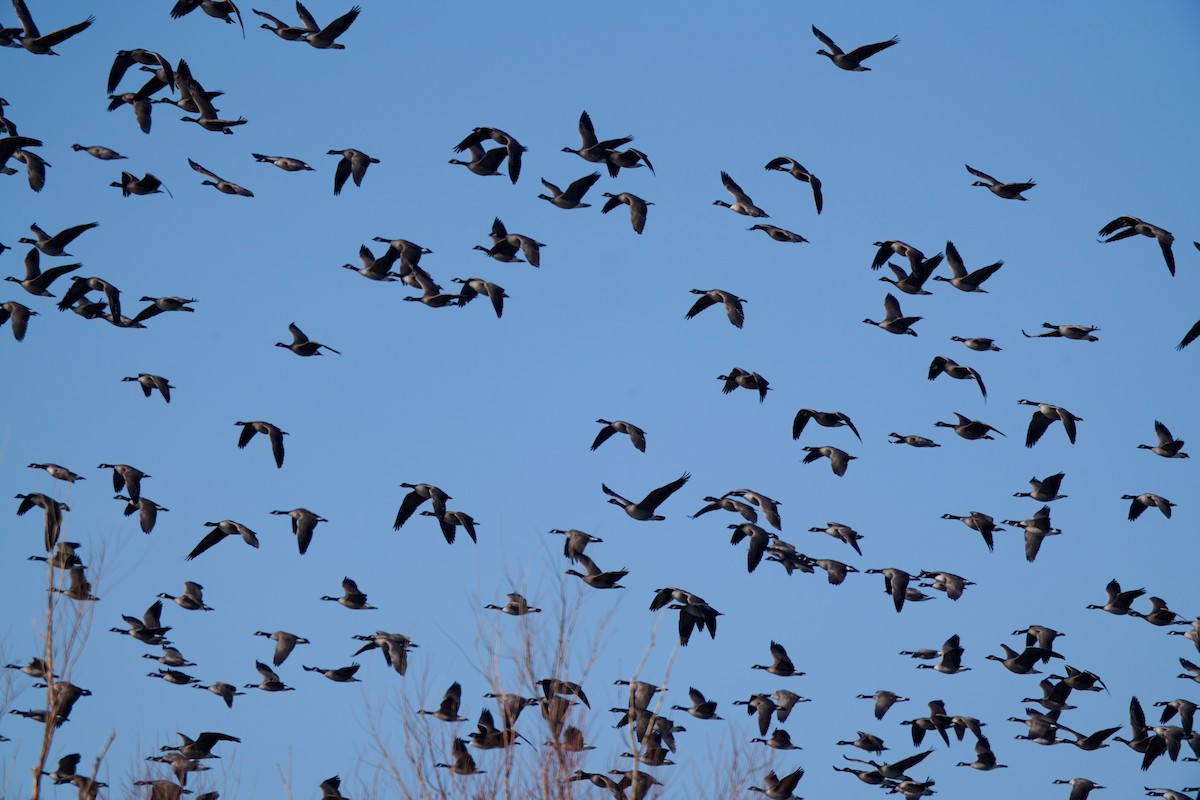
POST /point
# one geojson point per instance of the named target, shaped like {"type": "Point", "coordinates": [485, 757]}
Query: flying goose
{"type": "Point", "coordinates": [1045, 414]}
{"type": "Point", "coordinates": [769, 507]}
{"type": "Point", "coordinates": [419, 494]}
{"type": "Point", "coordinates": [35, 168]}
{"type": "Point", "coordinates": [1134, 226]}
{"type": "Point", "coordinates": [220, 184]}
{"type": "Point", "coordinates": [637, 436]}
{"type": "Point", "coordinates": [948, 366]}
{"type": "Point", "coordinates": [780, 664]}
{"type": "Point", "coordinates": [980, 343]}
{"type": "Point", "coordinates": [55, 245]}
{"type": "Point", "coordinates": [58, 472]}
{"type": "Point", "coordinates": [575, 541]}
{"type": "Point", "coordinates": [573, 196]}
{"type": "Point", "coordinates": [727, 503]}
{"type": "Point", "coordinates": [1080, 787]}
{"type": "Point", "coordinates": [284, 644]}
{"type": "Point", "coordinates": [1022, 663]}
{"type": "Point", "coordinates": [595, 577]}
{"type": "Point", "coordinates": [1009, 191]}
{"type": "Point", "coordinates": [969, 428]}
{"type": "Point", "coordinates": [505, 245]}
{"type": "Point", "coordinates": [985, 759]}
{"type": "Point", "coordinates": [1140, 502]}
{"type": "Point", "coordinates": [1045, 490]}
{"type": "Point", "coordinates": [888, 247]}
{"type": "Point", "coordinates": [884, 700]}
{"type": "Point", "coordinates": [895, 769]}
{"type": "Point", "coordinates": [289, 33]}
{"type": "Point", "coordinates": [985, 524]}
{"type": "Point", "coordinates": [758, 541]}
{"type": "Point", "coordinates": [338, 674]}
{"type": "Point", "coordinates": [778, 740]}
{"type": "Point", "coordinates": [841, 532]}
{"type": "Point", "coordinates": [593, 149]}
{"type": "Point", "coordinates": [285, 163]}
{"type": "Point", "coordinates": [393, 646]}
{"type": "Point", "coordinates": [325, 38]}
{"type": "Point", "coordinates": [510, 147]}
{"type": "Point", "coordinates": [851, 61]}
{"type": "Point", "coordinates": [127, 478]}
{"type": "Point", "coordinates": [700, 708]}
{"type": "Point", "coordinates": [629, 158]}
{"type": "Point", "coordinates": [123, 61]}
{"type": "Point", "coordinates": [893, 321]}
{"type": "Point", "coordinates": [643, 510]}
{"type": "Point", "coordinates": [449, 521]}
{"type": "Point", "coordinates": [778, 234]}
{"type": "Point", "coordinates": [1078, 332]}
{"type": "Point", "coordinates": [19, 313]}
{"type": "Point", "coordinates": [517, 605]}
{"type": "Point", "coordinates": [220, 530]}
{"type": "Point", "coordinates": [1189, 337]}
{"type": "Point", "coordinates": [913, 282]}
{"type": "Point", "coordinates": [270, 681]}
{"type": "Point", "coordinates": [447, 710]}
{"type": "Point", "coordinates": [150, 382]}
{"type": "Point", "coordinates": [1160, 614]}
{"type": "Point", "coordinates": [473, 287]}
{"type": "Point", "coordinates": [304, 522]}
{"type": "Point", "coordinates": [739, 377]}
{"type": "Point", "coordinates": [1118, 602]}
{"type": "Point", "coordinates": [146, 509]}
{"type": "Point", "coordinates": [80, 287]}
{"type": "Point", "coordinates": [637, 208]}
{"type": "Point", "coordinates": [912, 440]}
{"type": "Point", "coordinates": [895, 583]}
{"type": "Point", "coordinates": [223, 10]}
{"type": "Point", "coordinates": [351, 597]}
{"type": "Point", "coordinates": [710, 297]}
{"type": "Point", "coordinates": [1168, 446]}
{"type": "Point", "coordinates": [354, 165]}
{"type": "Point", "coordinates": [147, 184]}
{"type": "Point", "coordinates": [34, 40]}
{"type": "Point", "coordinates": [953, 585]}
{"type": "Point", "coordinates": [960, 278]}
{"type": "Point", "coordinates": [272, 432]}
{"type": "Point", "coordinates": [223, 690]}
{"type": "Point", "coordinates": [301, 345]}
{"type": "Point", "coordinates": [160, 305]}
{"type": "Point", "coordinates": [37, 281]}
{"type": "Point", "coordinates": [796, 170]}
{"type": "Point", "coordinates": [838, 459]}
{"type": "Point", "coordinates": [742, 204]}
{"type": "Point", "coordinates": [826, 419]}
{"type": "Point", "coordinates": [483, 162]}
{"type": "Point", "coordinates": [53, 514]}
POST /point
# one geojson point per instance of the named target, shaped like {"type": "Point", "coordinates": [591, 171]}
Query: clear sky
{"type": "Point", "coordinates": [1094, 103]}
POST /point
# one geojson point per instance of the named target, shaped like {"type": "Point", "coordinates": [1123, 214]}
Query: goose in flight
{"type": "Point", "coordinates": [742, 204]}
{"type": "Point", "coordinates": [1134, 226]}
{"type": "Point", "coordinates": [851, 61]}
{"type": "Point", "coordinates": [1009, 191]}
{"type": "Point", "coordinates": [644, 509]}
{"type": "Point", "coordinates": [796, 170]}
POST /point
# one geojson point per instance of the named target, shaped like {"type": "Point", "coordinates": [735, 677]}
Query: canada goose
{"type": "Point", "coordinates": [644, 509]}
{"type": "Point", "coordinates": [572, 197]}
{"type": "Point", "coordinates": [1189, 337]}
{"type": "Point", "coordinates": [637, 208]}
{"type": "Point", "coordinates": [1045, 490]}
{"type": "Point", "coordinates": [1185, 708]}
{"type": "Point", "coordinates": [473, 287]}
{"type": "Point", "coordinates": [592, 149]}
{"type": "Point", "coordinates": [826, 419]}
{"type": "Point", "coordinates": [980, 343]}
{"type": "Point", "coordinates": [778, 234]}
{"type": "Point", "coordinates": [738, 377]}
{"type": "Point", "coordinates": [324, 38]}
{"type": "Point", "coordinates": [1134, 226]}
{"type": "Point", "coordinates": [710, 297]}
{"type": "Point", "coordinates": [172, 676]}
{"type": "Point", "coordinates": [841, 532]}
{"type": "Point", "coordinates": [888, 247]}
{"type": "Point", "coordinates": [449, 521]}
{"type": "Point", "coordinates": [219, 183]}
{"type": "Point", "coordinates": [511, 147]}
{"type": "Point", "coordinates": [223, 690]}
{"type": "Point", "coordinates": [376, 269]}
{"type": "Point", "coordinates": [895, 583]}
{"type": "Point", "coordinates": [192, 598]}
{"type": "Point", "coordinates": [1078, 332]}
{"type": "Point", "coordinates": [431, 294]}
{"type": "Point", "coordinates": [147, 184]}
{"type": "Point", "coordinates": [1080, 787]}
{"type": "Point", "coordinates": [35, 168]}
{"type": "Point", "coordinates": [866, 741]}
{"type": "Point", "coordinates": [700, 708]}
{"type": "Point", "coordinates": [651, 756]}
{"type": "Point", "coordinates": [272, 432]}
{"type": "Point", "coordinates": [34, 41]}
{"type": "Point", "coordinates": [483, 162]}
{"type": "Point", "coordinates": [913, 440]}
{"type": "Point", "coordinates": [1009, 191]}
{"type": "Point", "coordinates": [871, 777]}
{"type": "Point", "coordinates": [960, 278]}
{"type": "Point", "coordinates": [1054, 695]}
{"type": "Point", "coordinates": [969, 428]}
{"type": "Point", "coordinates": [123, 61]}
{"type": "Point", "coordinates": [354, 165]}
{"type": "Point", "coordinates": [1119, 602]}
{"type": "Point", "coordinates": [838, 459]}
{"type": "Point", "coordinates": [37, 281]}
{"type": "Point", "coordinates": [1036, 529]}
{"type": "Point", "coordinates": [893, 321]}
{"type": "Point", "coordinates": [81, 286]}
{"type": "Point", "coordinates": [851, 61]}
{"type": "Point", "coordinates": [637, 436]}
{"type": "Point", "coordinates": [1168, 446]}
{"type": "Point", "coordinates": [1141, 502]}
{"type": "Point", "coordinates": [797, 171]}
{"type": "Point", "coordinates": [1043, 416]}
{"type": "Point", "coordinates": [728, 504]}
{"type": "Point", "coordinates": [19, 314]}
{"type": "Point", "coordinates": [223, 10]}
{"type": "Point", "coordinates": [763, 707]}
{"type": "Point", "coordinates": [150, 382]}
{"type": "Point", "coordinates": [207, 116]}
{"type": "Point", "coordinates": [65, 770]}
{"type": "Point", "coordinates": [516, 606]}
{"type": "Point", "coordinates": [1079, 679]}
{"type": "Point", "coordinates": [338, 674]}
{"type": "Point", "coordinates": [164, 789]}
{"type": "Point", "coordinates": [949, 657]}
{"type": "Point", "coordinates": [758, 541]}
{"type": "Point", "coordinates": [884, 700]}
{"type": "Point", "coordinates": [53, 514]}
{"type": "Point", "coordinates": [505, 245]}
{"type": "Point", "coordinates": [81, 589]}
{"type": "Point", "coordinates": [419, 494]}
{"type": "Point", "coordinates": [36, 668]}
{"type": "Point", "coordinates": [895, 769]}
{"type": "Point", "coordinates": [953, 585]}
{"type": "Point", "coordinates": [778, 740]}
{"type": "Point", "coordinates": [285, 163]}
{"type": "Point", "coordinates": [1168, 794]}
{"type": "Point", "coordinates": [447, 711]}
{"type": "Point", "coordinates": [270, 681]}
{"type": "Point", "coordinates": [978, 521]}
{"type": "Point", "coordinates": [595, 577]}
{"type": "Point", "coordinates": [55, 245]}
{"type": "Point", "coordinates": [835, 571]}
{"type": "Point", "coordinates": [742, 204]}
{"type": "Point", "coordinates": [220, 530]}
{"type": "Point", "coordinates": [1159, 614]}
{"type": "Point", "coordinates": [1022, 663]}
{"type": "Point", "coordinates": [351, 597]}
{"type": "Point", "coordinates": [985, 759]}
{"type": "Point", "coordinates": [126, 478]}
{"type": "Point", "coordinates": [304, 522]}
{"type": "Point", "coordinates": [913, 282]}
{"type": "Point", "coordinates": [1039, 635]}
{"type": "Point", "coordinates": [574, 542]}
{"type": "Point", "coordinates": [289, 33]}
{"type": "Point", "coordinates": [301, 345]}
{"type": "Point", "coordinates": [629, 158]}
{"type": "Point", "coordinates": [160, 305]}
{"type": "Point", "coordinates": [780, 664]}
{"type": "Point", "coordinates": [950, 367]}
{"type": "Point", "coordinates": [769, 507]}
{"type": "Point", "coordinates": [63, 557]}
{"type": "Point", "coordinates": [284, 644]}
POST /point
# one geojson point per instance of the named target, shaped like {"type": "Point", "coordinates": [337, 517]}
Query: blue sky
{"type": "Point", "coordinates": [1091, 102]}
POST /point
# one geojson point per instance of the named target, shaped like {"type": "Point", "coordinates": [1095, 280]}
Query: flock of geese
{"type": "Point", "coordinates": [562, 703]}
